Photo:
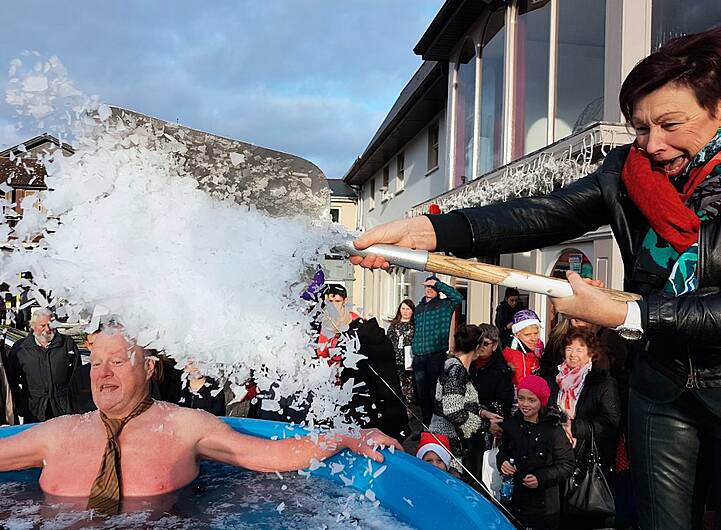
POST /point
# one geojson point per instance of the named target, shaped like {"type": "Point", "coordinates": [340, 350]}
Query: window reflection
{"type": "Point", "coordinates": [492, 61]}
{"type": "Point", "coordinates": [465, 89]}
{"type": "Point", "coordinates": [674, 18]}
{"type": "Point", "coordinates": [579, 81]}
{"type": "Point", "coordinates": [531, 67]}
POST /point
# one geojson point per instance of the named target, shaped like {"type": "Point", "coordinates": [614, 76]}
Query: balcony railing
{"type": "Point", "coordinates": [540, 172]}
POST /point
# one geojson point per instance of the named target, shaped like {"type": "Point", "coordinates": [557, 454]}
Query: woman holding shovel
{"type": "Point", "coordinates": [662, 198]}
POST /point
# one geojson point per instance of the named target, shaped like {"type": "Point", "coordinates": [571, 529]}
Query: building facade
{"type": "Point", "coordinates": [530, 104]}
{"type": "Point", "coordinates": [344, 211]}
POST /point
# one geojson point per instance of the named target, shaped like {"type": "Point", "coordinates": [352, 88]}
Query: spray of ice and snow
{"type": "Point", "coordinates": [126, 231]}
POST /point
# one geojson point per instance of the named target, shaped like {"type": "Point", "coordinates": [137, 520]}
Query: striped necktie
{"type": "Point", "coordinates": [105, 493]}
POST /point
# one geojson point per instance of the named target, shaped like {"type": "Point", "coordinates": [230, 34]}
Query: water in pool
{"type": "Point", "coordinates": [222, 497]}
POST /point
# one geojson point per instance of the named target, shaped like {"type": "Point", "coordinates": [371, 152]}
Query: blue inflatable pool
{"type": "Point", "coordinates": [416, 493]}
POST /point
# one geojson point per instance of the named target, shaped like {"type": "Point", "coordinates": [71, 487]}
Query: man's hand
{"type": "Point", "coordinates": [530, 481]}
{"type": "Point", "coordinates": [507, 468]}
{"type": "Point", "coordinates": [368, 443]}
{"type": "Point", "coordinates": [590, 304]}
{"type": "Point", "coordinates": [430, 283]}
{"type": "Point", "coordinates": [416, 233]}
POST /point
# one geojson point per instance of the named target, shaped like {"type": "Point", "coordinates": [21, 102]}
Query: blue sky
{"type": "Point", "coordinates": [311, 77]}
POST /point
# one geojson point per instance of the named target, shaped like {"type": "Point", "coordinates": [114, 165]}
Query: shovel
{"type": "Point", "coordinates": [422, 260]}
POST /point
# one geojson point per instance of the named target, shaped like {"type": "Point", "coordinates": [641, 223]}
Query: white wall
{"type": "Point", "coordinates": [419, 186]}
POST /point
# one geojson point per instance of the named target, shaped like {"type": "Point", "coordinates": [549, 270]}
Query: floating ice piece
{"type": "Point", "coordinates": [380, 471]}
{"type": "Point", "coordinates": [236, 158]}
{"type": "Point", "coordinates": [280, 507]}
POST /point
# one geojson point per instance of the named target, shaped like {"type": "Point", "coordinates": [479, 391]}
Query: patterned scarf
{"type": "Point", "coordinates": [105, 493]}
{"type": "Point", "coordinates": [570, 383]}
{"type": "Point", "coordinates": [675, 211]}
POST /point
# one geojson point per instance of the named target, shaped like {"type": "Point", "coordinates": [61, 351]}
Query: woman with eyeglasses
{"type": "Point", "coordinates": [588, 396]}
{"type": "Point", "coordinates": [491, 375]}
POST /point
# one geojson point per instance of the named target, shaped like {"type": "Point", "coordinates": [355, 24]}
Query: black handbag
{"type": "Point", "coordinates": [587, 490]}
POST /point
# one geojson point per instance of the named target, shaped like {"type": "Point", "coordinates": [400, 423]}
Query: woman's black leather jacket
{"type": "Point", "coordinates": [682, 344]}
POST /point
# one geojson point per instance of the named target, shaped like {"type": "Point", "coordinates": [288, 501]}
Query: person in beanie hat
{"type": "Point", "coordinates": [537, 386]}
{"type": "Point", "coordinates": [435, 449]}
{"type": "Point", "coordinates": [526, 349]}
{"type": "Point", "coordinates": [542, 456]}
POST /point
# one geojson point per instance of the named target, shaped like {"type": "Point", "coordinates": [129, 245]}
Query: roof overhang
{"type": "Point", "coordinates": [539, 172]}
{"type": "Point", "coordinates": [417, 105]}
{"type": "Point", "coordinates": [449, 26]}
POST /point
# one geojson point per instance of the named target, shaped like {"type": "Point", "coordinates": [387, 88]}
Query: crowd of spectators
{"type": "Point", "coordinates": [537, 407]}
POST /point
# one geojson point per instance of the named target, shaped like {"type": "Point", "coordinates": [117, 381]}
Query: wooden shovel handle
{"type": "Point", "coordinates": [483, 272]}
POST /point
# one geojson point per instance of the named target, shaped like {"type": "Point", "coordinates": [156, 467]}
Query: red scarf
{"type": "Point", "coordinates": [660, 202]}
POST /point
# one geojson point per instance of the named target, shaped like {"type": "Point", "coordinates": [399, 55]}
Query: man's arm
{"type": "Point", "coordinates": [451, 293]}
{"type": "Point", "coordinates": [26, 449]}
{"type": "Point", "coordinates": [221, 443]}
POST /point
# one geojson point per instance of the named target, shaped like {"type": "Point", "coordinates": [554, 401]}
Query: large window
{"type": "Point", "coordinates": [579, 72]}
{"type": "Point", "coordinates": [492, 63]}
{"type": "Point", "coordinates": [372, 191]}
{"type": "Point", "coordinates": [465, 103]}
{"type": "Point", "coordinates": [531, 90]}
{"type": "Point", "coordinates": [673, 18]}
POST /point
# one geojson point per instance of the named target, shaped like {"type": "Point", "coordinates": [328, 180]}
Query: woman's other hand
{"type": "Point", "coordinates": [590, 304]}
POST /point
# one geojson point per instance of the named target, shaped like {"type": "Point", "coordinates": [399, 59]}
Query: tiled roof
{"type": "Point", "coordinates": [338, 188]}
{"type": "Point", "coordinates": [22, 173]}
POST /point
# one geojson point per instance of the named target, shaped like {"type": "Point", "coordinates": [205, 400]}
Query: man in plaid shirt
{"type": "Point", "coordinates": [430, 341]}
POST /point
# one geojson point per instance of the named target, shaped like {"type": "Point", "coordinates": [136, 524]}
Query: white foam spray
{"type": "Point", "coordinates": [125, 231]}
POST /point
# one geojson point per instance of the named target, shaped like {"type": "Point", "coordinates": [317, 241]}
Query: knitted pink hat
{"type": "Point", "coordinates": [538, 386]}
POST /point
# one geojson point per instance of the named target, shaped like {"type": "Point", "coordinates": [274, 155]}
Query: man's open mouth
{"type": "Point", "coordinates": [108, 388]}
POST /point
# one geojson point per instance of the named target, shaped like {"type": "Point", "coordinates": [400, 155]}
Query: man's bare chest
{"type": "Point", "coordinates": [152, 461]}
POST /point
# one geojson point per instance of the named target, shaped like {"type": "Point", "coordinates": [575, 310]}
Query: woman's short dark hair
{"type": "Point", "coordinates": [586, 337]}
{"type": "Point", "coordinates": [410, 304]}
{"type": "Point", "coordinates": [693, 61]}
{"type": "Point", "coordinates": [467, 338]}
{"type": "Point", "coordinates": [489, 331]}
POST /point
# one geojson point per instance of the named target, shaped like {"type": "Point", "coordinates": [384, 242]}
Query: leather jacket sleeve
{"type": "Point", "coordinates": [526, 223]}
{"type": "Point", "coordinates": [693, 316]}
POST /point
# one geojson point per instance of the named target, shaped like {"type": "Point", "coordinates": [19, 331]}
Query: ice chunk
{"type": "Point", "coordinates": [236, 158]}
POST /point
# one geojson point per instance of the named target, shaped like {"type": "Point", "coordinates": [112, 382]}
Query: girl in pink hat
{"type": "Point", "coordinates": [536, 452]}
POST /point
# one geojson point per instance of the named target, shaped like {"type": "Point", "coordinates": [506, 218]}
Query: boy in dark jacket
{"type": "Point", "coordinates": [542, 457]}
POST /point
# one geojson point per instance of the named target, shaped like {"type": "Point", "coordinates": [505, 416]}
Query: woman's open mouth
{"type": "Point", "coordinates": [673, 167]}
